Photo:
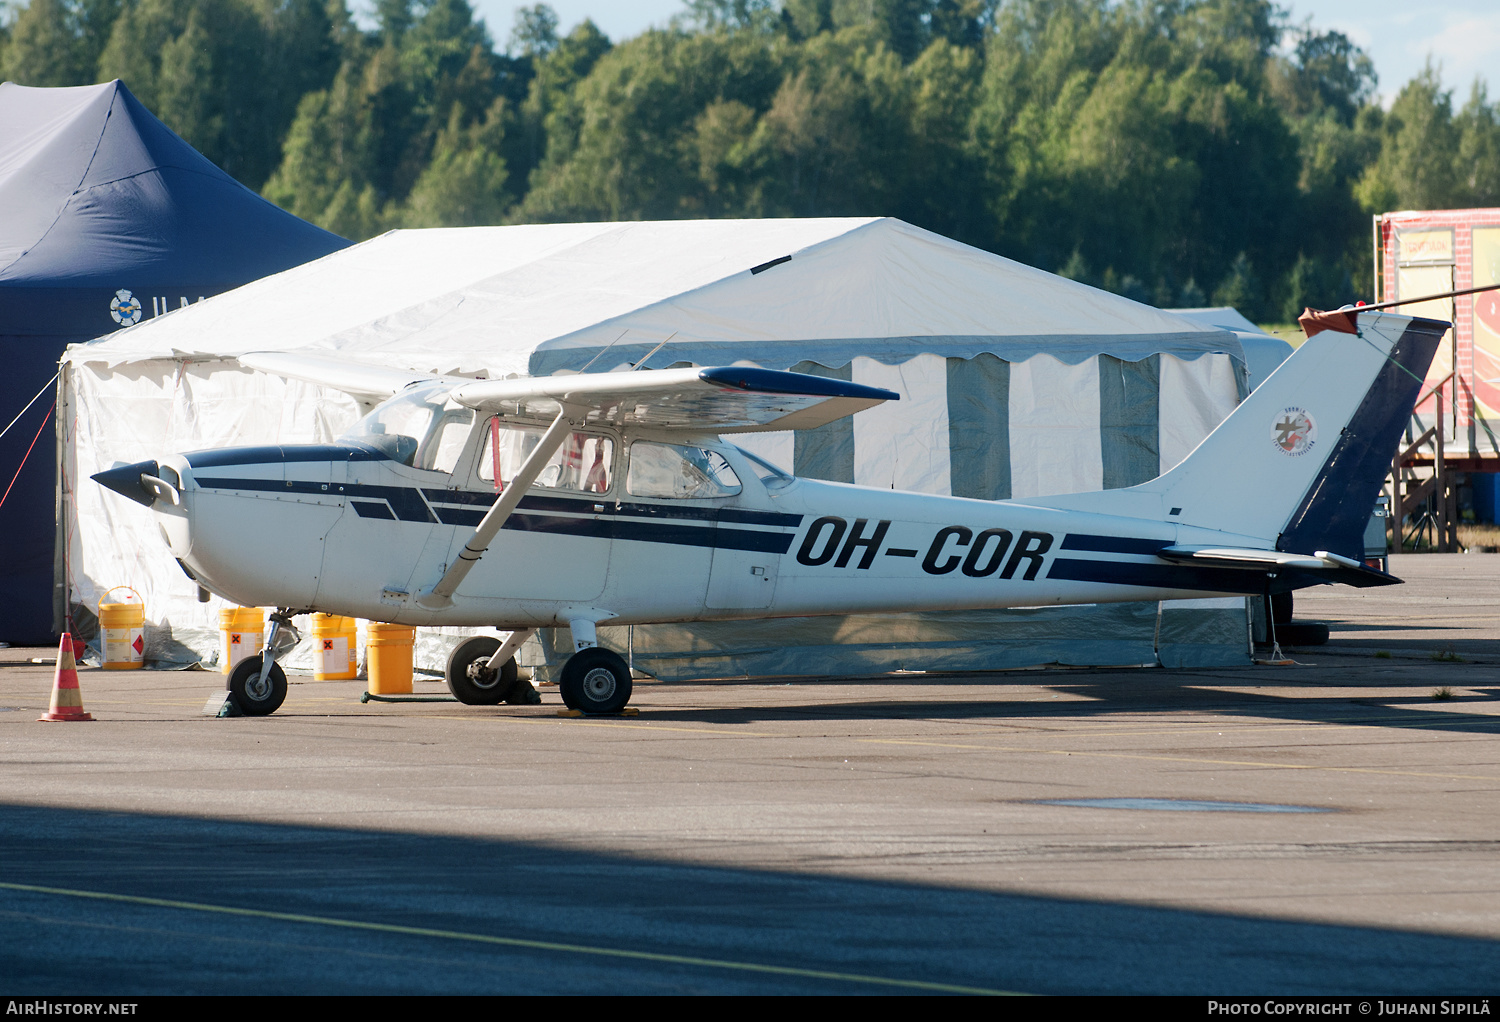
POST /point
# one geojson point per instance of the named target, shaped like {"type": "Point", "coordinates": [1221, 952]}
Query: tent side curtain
{"type": "Point", "coordinates": [1106, 635]}
{"type": "Point", "coordinates": [993, 430]}
{"type": "Point", "coordinates": [1072, 349]}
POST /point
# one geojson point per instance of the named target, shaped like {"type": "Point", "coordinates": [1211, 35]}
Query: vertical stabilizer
{"type": "Point", "coordinates": [1299, 463]}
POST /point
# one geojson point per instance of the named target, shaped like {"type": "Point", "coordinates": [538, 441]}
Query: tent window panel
{"type": "Point", "coordinates": [584, 463]}
{"type": "Point", "coordinates": [679, 473]}
{"type": "Point", "coordinates": [1128, 420]}
{"type": "Point", "coordinates": [979, 427]}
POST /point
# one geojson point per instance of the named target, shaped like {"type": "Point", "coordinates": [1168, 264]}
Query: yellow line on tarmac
{"type": "Point", "coordinates": [1181, 759]}
{"type": "Point", "coordinates": [516, 942]}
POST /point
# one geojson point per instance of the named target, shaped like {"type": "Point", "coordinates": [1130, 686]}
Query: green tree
{"type": "Point", "coordinates": [1142, 145]}
{"type": "Point", "coordinates": [548, 115]}
{"type": "Point", "coordinates": [1415, 167]}
{"type": "Point", "coordinates": [225, 74]}
{"type": "Point", "coordinates": [535, 31]}
{"type": "Point", "coordinates": [464, 184]}
{"type": "Point", "coordinates": [733, 14]}
{"type": "Point", "coordinates": [44, 47]}
{"type": "Point", "coordinates": [1140, 136]}
{"type": "Point", "coordinates": [1477, 162]}
{"type": "Point", "coordinates": [410, 119]}
{"type": "Point", "coordinates": [1325, 73]}
{"type": "Point", "coordinates": [181, 99]}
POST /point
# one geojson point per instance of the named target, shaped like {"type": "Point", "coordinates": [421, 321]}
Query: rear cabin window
{"type": "Point", "coordinates": [679, 473]}
{"type": "Point", "coordinates": [583, 463]}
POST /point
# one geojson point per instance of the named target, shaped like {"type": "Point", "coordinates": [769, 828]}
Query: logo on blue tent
{"type": "Point", "coordinates": [124, 308]}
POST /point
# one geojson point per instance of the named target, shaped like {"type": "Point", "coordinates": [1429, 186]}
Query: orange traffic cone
{"type": "Point", "coordinates": [67, 703]}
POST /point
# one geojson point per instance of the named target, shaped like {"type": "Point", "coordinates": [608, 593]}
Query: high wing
{"type": "Point", "coordinates": [724, 399]}
{"type": "Point", "coordinates": [368, 385]}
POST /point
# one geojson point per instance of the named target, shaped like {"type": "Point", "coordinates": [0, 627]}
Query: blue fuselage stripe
{"type": "Point", "coordinates": [1113, 544]}
{"type": "Point", "coordinates": [1156, 576]}
{"type": "Point", "coordinates": [576, 517]}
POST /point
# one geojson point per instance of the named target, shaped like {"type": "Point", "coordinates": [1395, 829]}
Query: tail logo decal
{"type": "Point", "coordinates": [1294, 431]}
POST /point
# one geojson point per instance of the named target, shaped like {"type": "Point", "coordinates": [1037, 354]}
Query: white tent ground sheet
{"type": "Point", "coordinates": [1014, 382]}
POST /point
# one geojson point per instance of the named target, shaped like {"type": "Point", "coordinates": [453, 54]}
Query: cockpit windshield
{"type": "Point", "coordinates": [401, 426]}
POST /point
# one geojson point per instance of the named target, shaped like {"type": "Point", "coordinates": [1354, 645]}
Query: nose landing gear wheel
{"type": "Point", "coordinates": [254, 697]}
{"type": "Point", "coordinates": [595, 680]}
{"type": "Point", "coordinates": [474, 683]}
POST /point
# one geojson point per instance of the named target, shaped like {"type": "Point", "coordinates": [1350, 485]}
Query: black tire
{"type": "Point", "coordinates": [470, 681]}
{"type": "Point", "coordinates": [1302, 633]}
{"type": "Point", "coordinates": [595, 680]}
{"type": "Point", "coordinates": [245, 688]}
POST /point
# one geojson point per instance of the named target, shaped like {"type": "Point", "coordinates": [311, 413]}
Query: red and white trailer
{"type": "Point", "coordinates": [1456, 425]}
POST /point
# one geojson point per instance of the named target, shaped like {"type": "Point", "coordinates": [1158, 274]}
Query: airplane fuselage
{"type": "Point", "coordinates": [345, 529]}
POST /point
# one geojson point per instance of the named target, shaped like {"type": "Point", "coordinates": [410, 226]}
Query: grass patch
{"type": "Point", "coordinates": [1382, 654]}
{"type": "Point", "coordinates": [1447, 656]}
{"type": "Point", "coordinates": [1478, 535]}
{"type": "Point", "coordinates": [1442, 694]}
{"type": "Point", "coordinates": [1473, 537]}
{"type": "Point", "coordinates": [1289, 332]}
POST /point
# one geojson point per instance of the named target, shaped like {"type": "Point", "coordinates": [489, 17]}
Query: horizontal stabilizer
{"type": "Point", "coordinates": [724, 399]}
{"type": "Point", "coordinates": [1327, 567]}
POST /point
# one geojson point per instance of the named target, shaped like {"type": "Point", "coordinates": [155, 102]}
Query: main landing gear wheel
{"type": "Point", "coordinates": [254, 697]}
{"type": "Point", "coordinates": [474, 683]}
{"type": "Point", "coordinates": [595, 680]}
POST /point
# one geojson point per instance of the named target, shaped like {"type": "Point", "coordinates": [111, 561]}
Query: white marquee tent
{"type": "Point", "coordinates": [1014, 383]}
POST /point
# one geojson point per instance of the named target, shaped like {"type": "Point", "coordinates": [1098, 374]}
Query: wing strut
{"type": "Point", "coordinates": [441, 595]}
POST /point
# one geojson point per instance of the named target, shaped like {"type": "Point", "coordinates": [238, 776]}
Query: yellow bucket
{"type": "Point", "coordinates": [335, 652]}
{"type": "Point", "coordinates": [244, 631]}
{"type": "Point", "coordinates": [123, 629]}
{"type": "Point", "coordinates": [390, 654]}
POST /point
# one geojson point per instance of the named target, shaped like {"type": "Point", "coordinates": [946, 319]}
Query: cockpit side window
{"type": "Point", "coordinates": [445, 444]}
{"type": "Point", "coordinates": [680, 473]}
{"type": "Point", "coordinates": [584, 463]}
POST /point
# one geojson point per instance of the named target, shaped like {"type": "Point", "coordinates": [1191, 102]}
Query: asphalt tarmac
{"type": "Point", "coordinates": [1325, 828]}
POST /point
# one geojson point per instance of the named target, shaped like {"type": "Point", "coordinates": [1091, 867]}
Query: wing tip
{"type": "Point", "coordinates": [779, 381]}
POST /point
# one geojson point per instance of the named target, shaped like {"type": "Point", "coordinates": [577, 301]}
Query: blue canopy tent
{"type": "Point", "coordinates": [107, 218]}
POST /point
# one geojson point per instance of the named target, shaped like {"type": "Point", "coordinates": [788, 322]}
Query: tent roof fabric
{"type": "Point", "coordinates": [1263, 351]}
{"type": "Point", "coordinates": [540, 298]}
{"type": "Point", "coordinates": [1225, 317]}
{"type": "Point", "coordinates": [95, 191]}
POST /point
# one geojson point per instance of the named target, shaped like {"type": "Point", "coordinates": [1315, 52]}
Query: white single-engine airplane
{"type": "Point", "coordinates": [580, 499]}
